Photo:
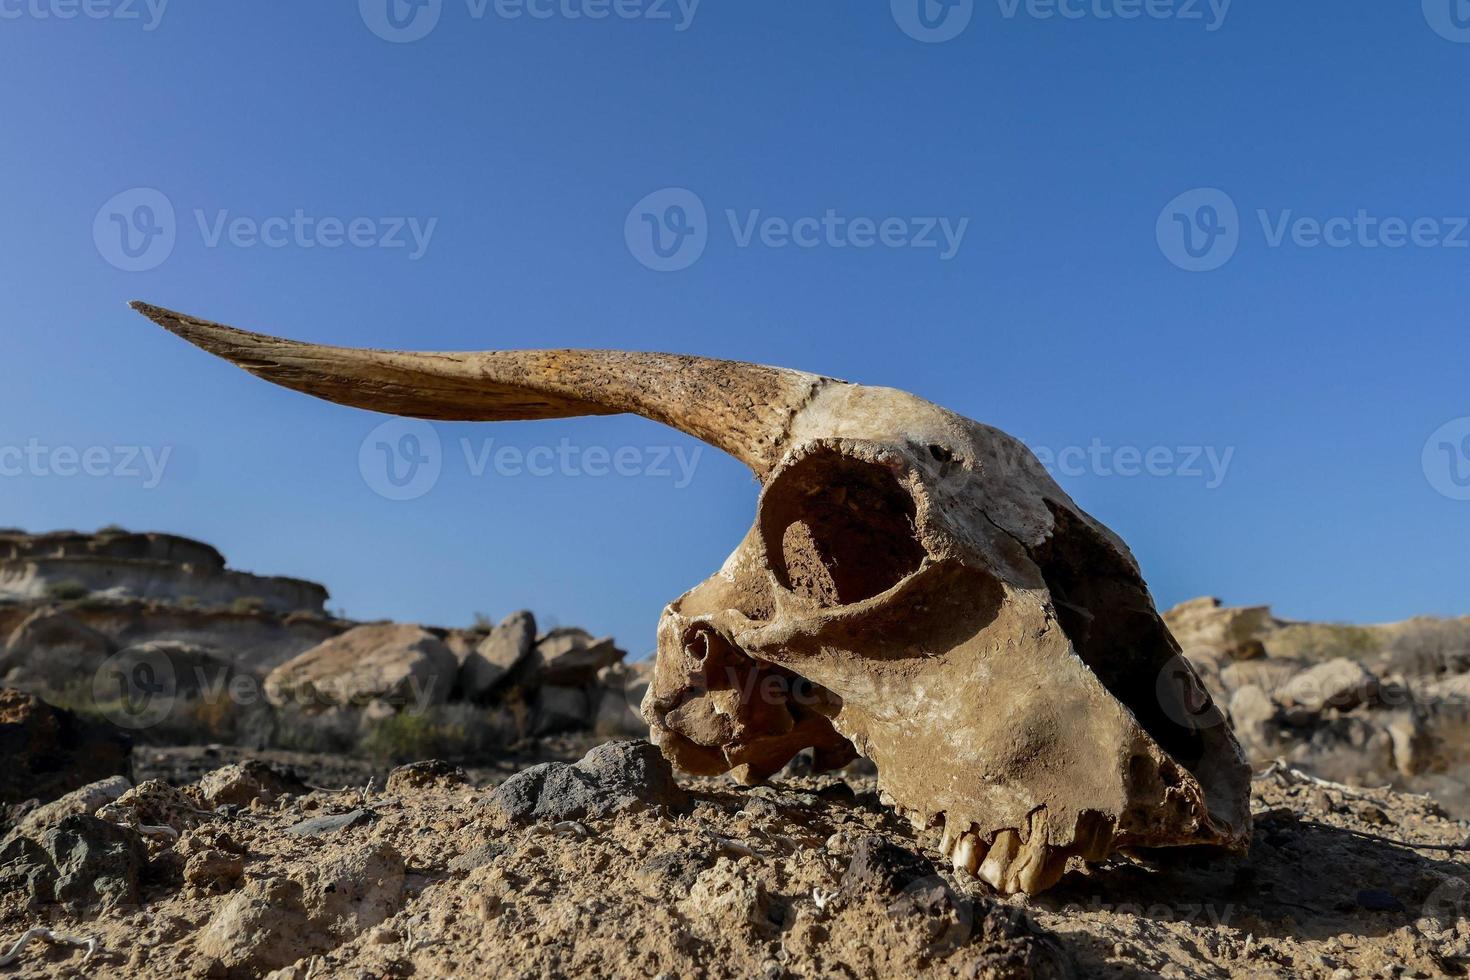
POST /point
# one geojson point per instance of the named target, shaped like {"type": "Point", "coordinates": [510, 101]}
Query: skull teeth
{"type": "Point", "coordinates": [1008, 864]}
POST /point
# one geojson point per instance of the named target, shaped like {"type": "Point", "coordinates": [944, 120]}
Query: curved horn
{"type": "Point", "coordinates": [741, 408]}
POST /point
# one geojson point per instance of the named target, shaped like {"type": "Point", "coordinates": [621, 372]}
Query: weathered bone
{"type": "Point", "coordinates": [743, 409]}
{"type": "Point", "coordinates": [915, 586]}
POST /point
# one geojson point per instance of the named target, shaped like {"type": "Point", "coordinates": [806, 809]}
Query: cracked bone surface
{"type": "Point", "coordinates": [915, 588]}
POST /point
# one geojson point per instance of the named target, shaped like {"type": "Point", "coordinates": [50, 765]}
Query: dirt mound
{"type": "Point", "coordinates": [810, 876]}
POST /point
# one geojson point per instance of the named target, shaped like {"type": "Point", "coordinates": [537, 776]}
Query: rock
{"type": "Point", "coordinates": [85, 801]}
{"type": "Point", "coordinates": [118, 565]}
{"type": "Point", "coordinates": [400, 665]}
{"type": "Point", "coordinates": [424, 775]}
{"type": "Point", "coordinates": [559, 709]}
{"type": "Point", "coordinates": [570, 657]}
{"type": "Point", "coordinates": [1342, 684]}
{"type": "Point", "coordinates": [262, 927]}
{"type": "Point", "coordinates": [1204, 626]}
{"type": "Point", "coordinates": [622, 689]}
{"type": "Point", "coordinates": [612, 778]}
{"type": "Point", "coordinates": [498, 655]}
{"type": "Point", "coordinates": [725, 899]}
{"type": "Point", "coordinates": [51, 651]}
{"type": "Point", "coordinates": [879, 866]}
{"type": "Point", "coordinates": [331, 824]}
{"type": "Point", "coordinates": [1269, 674]}
{"type": "Point", "coordinates": [94, 862]}
{"type": "Point", "coordinates": [1378, 900]}
{"type": "Point", "coordinates": [153, 803]}
{"type": "Point", "coordinates": [191, 670]}
{"type": "Point", "coordinates": [240, 784]}
{"type": "Point", "coordinates": [49, 751]}
{"type": "Point", "coordinates": [214, 870]}
{"type": "Point", "coordinates": [352, 892]}
{"type": "Point", "coordinates": [1254, 716]}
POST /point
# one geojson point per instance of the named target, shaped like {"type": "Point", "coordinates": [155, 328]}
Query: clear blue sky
{"type": "Point", "coordinates": [1060, 318]}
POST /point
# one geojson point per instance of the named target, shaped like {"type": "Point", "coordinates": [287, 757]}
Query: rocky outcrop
{"type": "Point", "coordinates": [235, 658]}
{"type": "Point", "coordinates": [498, 655]}
{"type": "Point", "coordinates": [122, 565]}
{"type": "Point", "coordinates": [48, 752]}
{"type": "Point", "coordinates": [394, 664]}
{"type": "Point", "coordinates": [1369, 705]}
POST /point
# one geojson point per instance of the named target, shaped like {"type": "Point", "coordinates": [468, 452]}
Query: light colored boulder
{"type": "Point", "coordinates": [399, 664]}
{"type": "Point", "coordinates": [570, 656]}
{"type": "Point", "coordinates": [498, 655]}
{"type": "Point", "coordinates": [622, 687]}
{"type": "Point", "coordinates": [1254, 715]}
{"type": "Point", "coordinates": [1204, 626]}
{"type": "Point", "coordinates": [51, 650]}
{"type": "Point", "coordinates": [1341, 683]}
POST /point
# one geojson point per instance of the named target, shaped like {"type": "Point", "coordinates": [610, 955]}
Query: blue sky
{"type": "Point", "coordinates": [1067, 155]}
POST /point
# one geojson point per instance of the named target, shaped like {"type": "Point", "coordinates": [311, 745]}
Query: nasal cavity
{"type": "Point", "coordinates": [839, 530]}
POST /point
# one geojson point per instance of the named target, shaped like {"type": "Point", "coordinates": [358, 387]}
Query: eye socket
{"type": "Point", "coordinates": [839, 530]}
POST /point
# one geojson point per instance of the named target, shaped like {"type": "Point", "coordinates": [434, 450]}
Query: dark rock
{"type": "Point", "coordinates": [498, 655]}
{"type": "Point", "coordinates": [561, 709]}
{"type": "Point", "coordinates": [331, 824]}
{"type": "Point", "coordinates": [94, 863]}
{"type": "Point", "coordinates": [881, 866]}
{"type": "Point", "coordinates": [422, 775]}
{"type": "Point", "coordinates": [1378, 900]}
{"type": "Point", "coordinates": [49, 752]}
{"type": "Point", "coordinates": [612, 778]}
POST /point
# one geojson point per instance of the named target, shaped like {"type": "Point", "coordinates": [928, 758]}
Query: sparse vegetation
{"type": "Point", "coordinates": [483, 623]}
{"type": "Point", "coordinates": [67, 590]}
{"type": "Point", "coordinates": [248, 605]}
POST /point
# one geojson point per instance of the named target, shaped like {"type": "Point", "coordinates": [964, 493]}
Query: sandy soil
{"type": "Point", "coordinates": [433, 880]}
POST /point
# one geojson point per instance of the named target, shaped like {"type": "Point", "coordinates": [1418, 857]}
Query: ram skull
{"type": "Point", "coordinates": [915, 589]}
